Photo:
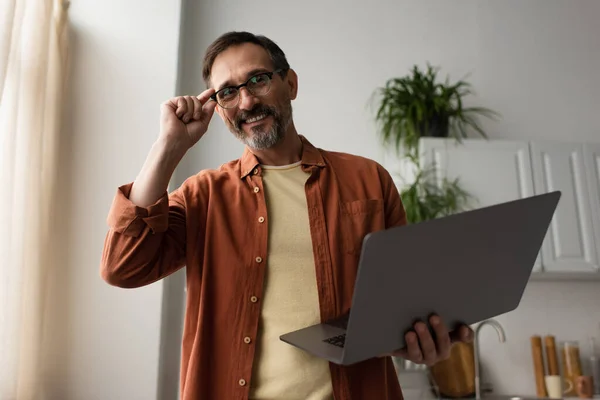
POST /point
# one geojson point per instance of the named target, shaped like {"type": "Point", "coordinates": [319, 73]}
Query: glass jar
{"type": "Point", "coordinates": [571, 366]}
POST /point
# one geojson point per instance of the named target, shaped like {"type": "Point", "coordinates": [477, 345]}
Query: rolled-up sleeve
{"type": "Point", "coordinates": [143, 244]}
{"type": "Point", "coordinates": [130, 220]}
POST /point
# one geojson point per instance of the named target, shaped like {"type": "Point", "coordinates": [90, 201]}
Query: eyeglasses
{"type": "Point", "coordinates": [258, 85]}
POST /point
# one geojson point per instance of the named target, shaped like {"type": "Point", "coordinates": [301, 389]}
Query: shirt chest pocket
{"type": "Point", "coordinates": [357, 219]}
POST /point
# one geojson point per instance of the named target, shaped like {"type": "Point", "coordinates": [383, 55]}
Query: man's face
{"type": "Point", "coordinates": [258, 121]}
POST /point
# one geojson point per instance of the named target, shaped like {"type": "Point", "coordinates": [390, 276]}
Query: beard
{"type": "Point", "coordinates": [263, 137]}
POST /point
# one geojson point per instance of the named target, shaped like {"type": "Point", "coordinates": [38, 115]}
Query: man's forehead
{"type": "Point", "coordinates": [233, 65]}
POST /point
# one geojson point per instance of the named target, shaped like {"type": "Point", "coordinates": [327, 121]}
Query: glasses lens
{"type": "Point", "coordinates": [259, 85]}
{"type": "Point", "coordinates": [227, 98]}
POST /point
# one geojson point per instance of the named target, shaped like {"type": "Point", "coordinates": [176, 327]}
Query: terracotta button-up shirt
{"type": "Point", "coordinates": [209, 225]}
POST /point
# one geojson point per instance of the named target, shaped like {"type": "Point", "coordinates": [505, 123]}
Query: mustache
{"type": "Point", "coordinates": [257, 110]}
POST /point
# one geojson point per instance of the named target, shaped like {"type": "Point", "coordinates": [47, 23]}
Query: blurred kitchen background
{"type": "Point", "coordinates": [536, 63]}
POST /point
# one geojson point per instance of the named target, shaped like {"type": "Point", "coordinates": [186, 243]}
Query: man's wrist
{"type": "Point", "coordinates": [170, 150]}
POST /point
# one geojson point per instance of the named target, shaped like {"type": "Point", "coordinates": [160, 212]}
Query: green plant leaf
{"type": "Point", "coordinates": [410, 105]}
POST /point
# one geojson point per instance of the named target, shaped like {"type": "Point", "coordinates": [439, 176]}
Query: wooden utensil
{"type": "Point", "coordinates": [538, 365]}
{"type": "Point", "coordinates": [551, 355]}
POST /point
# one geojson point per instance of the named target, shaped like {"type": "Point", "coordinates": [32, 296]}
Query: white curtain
{"type": "Point", "coordinates": [33, 68]}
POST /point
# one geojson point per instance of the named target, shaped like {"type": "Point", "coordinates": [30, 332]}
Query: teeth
{"type": "Point", "coordinates": [257, 118]}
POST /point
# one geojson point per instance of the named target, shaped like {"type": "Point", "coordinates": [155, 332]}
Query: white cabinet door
{"type": "Point", "coordinates": [569, 245]}
{"type": "Point", "coordinates": [591, 156]}
{"type": "Point", "coordinates": [491, 171]}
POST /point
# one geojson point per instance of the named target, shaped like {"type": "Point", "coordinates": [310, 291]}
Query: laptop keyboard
{"type": "Point", "coordinates": [338, 340]}
{"type": "Point", "coordinates": [342, 323]}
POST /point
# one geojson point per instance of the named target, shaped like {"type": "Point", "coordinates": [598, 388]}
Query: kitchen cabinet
{"type": "Point", "coordinates": [495, 171]}
{"type": "Point", "coordinates": [569, 245]}
{"type": "Point", "coordinates": [591, 157]}
{"type": "Point", "coordinates": [491, 172]}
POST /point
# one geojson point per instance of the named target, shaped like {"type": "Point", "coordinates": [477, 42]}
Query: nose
{"type": "Point", "coordinates": [247, 100]}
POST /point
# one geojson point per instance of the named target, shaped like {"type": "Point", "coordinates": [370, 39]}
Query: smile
{"type": "Point", "coordinates": [255, 119]}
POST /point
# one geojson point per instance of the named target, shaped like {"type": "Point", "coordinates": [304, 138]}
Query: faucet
{"type": "Point", "coordinates": [501, 337]}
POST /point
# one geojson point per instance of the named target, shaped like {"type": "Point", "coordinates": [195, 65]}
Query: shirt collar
{"type": "Point", "coordinates": [311, 156]}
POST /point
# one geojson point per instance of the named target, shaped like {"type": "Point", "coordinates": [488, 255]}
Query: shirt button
{"type": "Point", "coordinates": [255, 171]}
{"type": "Point", "coordinates": [256, 189]}
{"type": "Point", "coordinates": [242, 382]}
{"type": "Point", "coordinates": [258, 259]}
{"type": "Point", "coordinates": [261, 219]}
{"type": "Point", "coordinates": [254, 299]}
{"type": "Point", "coordinates": [247, 340]}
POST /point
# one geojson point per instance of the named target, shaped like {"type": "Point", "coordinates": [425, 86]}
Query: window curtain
{"type": "Point", "coordinates": [33, 70]}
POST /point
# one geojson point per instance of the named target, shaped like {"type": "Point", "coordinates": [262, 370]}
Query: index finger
{"type": "Point", "coordinates": [204, 96]}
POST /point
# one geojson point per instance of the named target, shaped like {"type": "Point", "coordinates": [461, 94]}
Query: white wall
{"type": "Point", "coordinates": [535, 62]}
{"type": "Point", "coordinates": [104, 341]}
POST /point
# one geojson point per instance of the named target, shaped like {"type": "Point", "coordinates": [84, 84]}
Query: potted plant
{"type": "Point", "coordinates": [416, 106]}
{"type": "Point", "coordinates": [424, 199]}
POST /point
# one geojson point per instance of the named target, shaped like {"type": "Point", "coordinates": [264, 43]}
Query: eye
{"type": "Point", "coordinates": [227, 93]}
{"type": "Point", "coordinates": [259, 79]}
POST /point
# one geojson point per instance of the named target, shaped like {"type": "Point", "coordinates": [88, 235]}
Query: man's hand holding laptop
{"type": "Point", "coordinates": [424, 348]}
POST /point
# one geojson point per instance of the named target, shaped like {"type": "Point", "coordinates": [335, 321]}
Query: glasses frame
{"type": "Point", "coordinates": [238, 87]}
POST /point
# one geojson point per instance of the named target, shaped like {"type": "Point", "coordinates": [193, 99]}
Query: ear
{"type": "Point", "coordinates": [291, 80]}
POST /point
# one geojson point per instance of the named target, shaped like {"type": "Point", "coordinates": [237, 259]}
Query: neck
{"type": "Point", "coordinates": [287, 151]}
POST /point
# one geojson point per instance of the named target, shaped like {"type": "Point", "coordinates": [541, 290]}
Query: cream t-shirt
{"type": "Point", "coordinates": [290, 298]}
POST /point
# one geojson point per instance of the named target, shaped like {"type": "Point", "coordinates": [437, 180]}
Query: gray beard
{"type": "Point", "coordinates": [261, 140]}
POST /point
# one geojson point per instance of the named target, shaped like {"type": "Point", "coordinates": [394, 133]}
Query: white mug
{"type": "Point", "coordinates": [554, 386]}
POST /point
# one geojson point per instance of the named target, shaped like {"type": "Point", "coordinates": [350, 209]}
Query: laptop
{"type": "Point", "coordinates": [466, 268]}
